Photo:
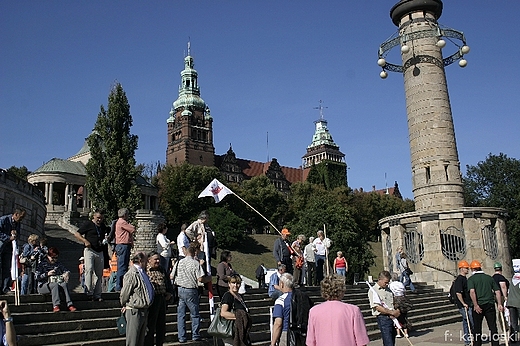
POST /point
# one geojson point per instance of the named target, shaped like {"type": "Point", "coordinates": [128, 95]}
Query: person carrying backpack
{"type": "Point", "coordinates": [334, 322]}
{"type": "Point", "coordinates": [459, 292]}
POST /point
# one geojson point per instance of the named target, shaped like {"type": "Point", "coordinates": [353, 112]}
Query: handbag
{"type": "Point", "coordinates": [408, 271]}
{"type": "Point", "coordinates": [221, 327]}
{"type": "Point", "coordinates": [121, 324]}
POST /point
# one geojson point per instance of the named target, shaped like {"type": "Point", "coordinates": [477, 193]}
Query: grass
{"type": "Point", "coordinates": [258, 248]}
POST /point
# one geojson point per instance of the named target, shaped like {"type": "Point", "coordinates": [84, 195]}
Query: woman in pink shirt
{"type": "Point", "coordinates": [334, 322]}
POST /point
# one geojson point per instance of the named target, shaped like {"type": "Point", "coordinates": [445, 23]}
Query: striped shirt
{"type": "Point", "coordinates": [188, 272]}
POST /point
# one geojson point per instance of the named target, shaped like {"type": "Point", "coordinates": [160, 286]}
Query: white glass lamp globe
{"type": "Point", "coordinates": [465, 49]}
{"type": "Point", "coordinates": [441, 43]}
{"type": "Point", "coordinates": [381, 62]}
{"type": "Point", "coordinates": [383, 75]}
{"type": "Point", "coordinates": [405, 49]}
{"type": "Point", "coordinates": [463, 63]}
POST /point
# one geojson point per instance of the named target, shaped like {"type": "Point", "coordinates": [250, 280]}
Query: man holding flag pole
{"type": "Point", "coordinates": [218, 191]}
{"type": "Point", "coordinates": [382, 305]}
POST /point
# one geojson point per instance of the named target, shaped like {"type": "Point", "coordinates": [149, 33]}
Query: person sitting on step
{"type": "Point", "coordinates": [52, 276]}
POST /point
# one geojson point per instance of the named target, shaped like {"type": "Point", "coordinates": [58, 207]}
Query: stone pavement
{"type": "Point", "coordinates": [447, 335]}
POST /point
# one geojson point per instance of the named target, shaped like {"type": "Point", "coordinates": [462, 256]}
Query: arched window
{"type": "Point", "coordinates": [413, 245]}
{"type": "Point", "coordinates": [453, 243]}
{"type": "Point", "coordinates": [489, 239]}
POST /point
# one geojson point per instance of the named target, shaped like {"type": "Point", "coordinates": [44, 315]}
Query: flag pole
{"type": "Point", "coordinates": [250, 206]}
{"type": "Point", "coordinates": [326, 250]}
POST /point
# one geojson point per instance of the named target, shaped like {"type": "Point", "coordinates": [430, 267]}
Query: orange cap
{"type": "Point", "coordinates": [286, 231]}
{"type": "Point", "coordinates": [463, 264]}
{"type": "Point", "coordinates": [475, 264]}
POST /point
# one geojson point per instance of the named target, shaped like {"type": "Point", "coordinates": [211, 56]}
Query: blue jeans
{"type": "Point", "coordinates": [408, 281]}
{"type": "Point", "coordinates": [341, 271]}
{"type": "Point", "coordinates": [386, 326]}
{"type": "Point", "coordinates": [123, 259]}
{"type": "Point", "coordinates": [467, 328]}
{"type": "Point", "coordinates": [188, 297]}
{"type": "Point", "coordinates": [320, 261]}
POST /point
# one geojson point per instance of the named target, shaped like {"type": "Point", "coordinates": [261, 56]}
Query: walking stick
{"type": "Point", "coordinates": [469, 327]}
{"type": "Point", "coordinates": [326, 250]}
{"type": "Point", "coordinates": [506, 332]}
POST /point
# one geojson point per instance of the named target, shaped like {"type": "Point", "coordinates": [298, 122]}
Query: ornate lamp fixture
{"type": "Point", "coordinates": [406, 40]}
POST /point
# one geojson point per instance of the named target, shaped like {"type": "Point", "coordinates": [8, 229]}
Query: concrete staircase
{"type": "Point", "coordinates": [94, 322]}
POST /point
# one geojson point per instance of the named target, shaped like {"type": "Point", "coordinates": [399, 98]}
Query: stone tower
{"type": "Point", "coordinates": [323, 146]}
{"type": "Point", "coordinates": [441, 231]}
{"type": "Point", "coordinates": [190, 126]}
{"type": "Point", "coordinates": [436, 177]}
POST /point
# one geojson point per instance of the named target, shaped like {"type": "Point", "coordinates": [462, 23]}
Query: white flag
{"type": "Point", "coordinates": [216, 190]}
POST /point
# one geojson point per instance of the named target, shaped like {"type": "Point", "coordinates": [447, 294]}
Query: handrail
{"type": "Point", "coordinates": [439, 269]}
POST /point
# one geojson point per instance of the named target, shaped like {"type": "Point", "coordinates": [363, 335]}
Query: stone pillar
{"type": "Point", "coordinates": [47, 199]}
{"type": "Point", "coordinates": [436, 177]}
{"type": "Point", "coordinates": [51, 192]}
{"type": "Point", "coordinates": [146, 235]}
{"type": "Point", "coordinates": [67, 197]}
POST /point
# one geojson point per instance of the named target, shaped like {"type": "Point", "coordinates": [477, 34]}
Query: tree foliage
{"type": "Point", "coordinates": [369, 208]}
{"type": "Point", "coordinates": [313, 207]}
{"type": "Point", "coordinates": [179, 188]}
{"type": "Point", "coordinates": [229, 228]}
{"type": "Point", "coordinates": [111, 171]}
{"type": "Point", "coordinates": [495, 182]}
{"type": "Point", "coordinates": [328, 174]}
{"type": "Point", "coordinates": [262, 195]}
{"type": "Point", "coordinates": [20, 172]}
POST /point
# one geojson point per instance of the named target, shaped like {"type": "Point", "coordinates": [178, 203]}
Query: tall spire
{"type": "Point", "coordinates": [322, 146]}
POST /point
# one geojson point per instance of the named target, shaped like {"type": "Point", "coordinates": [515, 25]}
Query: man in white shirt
{"type": "Point", "coordinates": [183, 242]}
{"type": "Point", "coordinates": [321, 245]}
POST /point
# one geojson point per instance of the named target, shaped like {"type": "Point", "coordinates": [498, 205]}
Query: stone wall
{"type": "Point", "coordinates": [436, 241]}
{"type": "Point", "coordinates": [18, 193]}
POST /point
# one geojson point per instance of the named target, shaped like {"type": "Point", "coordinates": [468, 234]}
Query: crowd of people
{"type": "Point", "coordinates": [148, 282]}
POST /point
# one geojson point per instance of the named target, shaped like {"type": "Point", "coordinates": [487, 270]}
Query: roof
{"type": "Point", "coordinates": [62, 166]}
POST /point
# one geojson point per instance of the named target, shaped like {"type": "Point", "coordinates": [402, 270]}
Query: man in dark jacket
{"type": "Point", "coordinates": [92, 234]}
{"type": "Point", "coordinates": [9, 229]}
{"type": "Point", "coordinates": [282, 251]}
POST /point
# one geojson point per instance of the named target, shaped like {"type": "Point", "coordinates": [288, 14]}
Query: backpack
{"type": "Point", "coordinates": [112, 235]}
{"type": "Point", "coordinates": [299, 318]}
{"type": "Point", "coordinates": [452, 295]}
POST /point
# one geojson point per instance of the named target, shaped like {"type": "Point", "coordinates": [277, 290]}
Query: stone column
{"type": "Point", "coordinates": [51, 192]}
{"type": "Point", "coordinates": [67, 197]}
{"type": "Point", "coordinates": [436, 177]}
{"type": "Point", "coordinates": [47, 199]}
{"type": "Point", "coordinates": [146, 235]}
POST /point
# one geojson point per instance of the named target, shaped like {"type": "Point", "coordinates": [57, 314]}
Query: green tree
{"type": "Point", "coordinates": [312, 208]}
{"type": "Point", "coordinates": [229, 228]}
{"type": "Point", "coordinates": [20, 172]}
{"type": "Point", "coordinates": [150, 171]}
{"type": "Point", "coordinates": [495, 182]}
{"type": "Point", "coordinates": [179, 188]}
{"type": "Point", "coordinates": [262, 195]}
{"type": "Point", "coordinates": [369, 208]}
{"type": "Point", "coordinates": [328, 174]}
{"type": "Point", "coordinates": [111, 171]}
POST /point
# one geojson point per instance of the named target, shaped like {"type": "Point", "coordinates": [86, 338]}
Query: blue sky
{"type": "Point", "coordinates": [263, 67]}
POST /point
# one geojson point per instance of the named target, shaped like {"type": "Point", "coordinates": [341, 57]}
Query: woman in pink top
{"type": "Point", "coordinates": [334, 322]}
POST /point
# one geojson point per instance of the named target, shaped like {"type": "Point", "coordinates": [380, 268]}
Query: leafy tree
{"type": "Point", "coordinates": [111, 171]}
{"type": "Point", "coordinates": [262, 195]}
{"type": "Point", "coordinates": [495, 182]}
{"type": "Point", "coordinates": [150, 171]}
{"type": "Point", "coordinates": [315, 207]}
{"type": "Point", "coordinates": [328, 174]}
{"type": "Point", "coordinates": [20, 172]}
{"type": "Point", "coordinates": [369, 208]}
{"type": "Point", "coordinates": [229, 228]}
{"type": "Point", "coordinates": [179, 188]}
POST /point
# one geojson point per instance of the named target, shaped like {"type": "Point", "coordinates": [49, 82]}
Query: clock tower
{"type": "Point", "coordinates": [190, 125]}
